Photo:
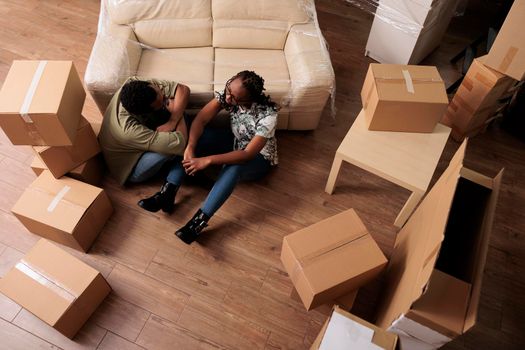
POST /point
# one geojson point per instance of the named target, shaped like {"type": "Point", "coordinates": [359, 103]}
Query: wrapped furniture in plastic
{"type": "Point", "coordinates": [202, 43]}
{"type": "Point", "coordinates": [406, 31]}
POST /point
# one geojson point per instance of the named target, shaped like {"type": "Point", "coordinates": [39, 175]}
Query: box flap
{"type": "Point", "coordinates": [60, 203]}
{"type": "Point", "coordinates": [413, 335]}
{"type": "Point", "coordinates": [395, 82]}
{"type": "Point", "coordinates": [486, 228]}
{"type": "Point", "coordinates": [416, 243]}
{"type": "Point", "coordinates": [443, 306]}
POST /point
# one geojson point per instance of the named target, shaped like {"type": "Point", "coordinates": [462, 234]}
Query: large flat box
{"type": "Point", "coordinates": [331, 258]}
{"type": "Point", "coordinates": [433, 280]}
{"type": "Point", "coordinates": [406, 31]}
{"type": "Point", "coordinates": [41, 102]}
{"type": "Point", "coordinates": [56, 287]}
{"type": "Point", "coordinates": [476, 99]}
{"type": "Point", "coordinates": [64, 210]}
{"type": "Point", "coordinates": [91, 171]}
{"type": "Point", "coordinates": [507, 54]}
{"type": "Point", "coordinates": [60, 160]}
{"type": "Point", "coordinates": [342, 330]}
{"type": "Point", "coordinates": [403, 98]}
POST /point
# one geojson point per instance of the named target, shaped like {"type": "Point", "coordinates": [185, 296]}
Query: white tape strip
{"type": "Point", "coordinates": [26, 269]}
{"type": "Point", "coordinates": [408, 81]}
{"type": "Point", "coordinates": [31, 92]}
{"type": "Point", "coordinates": [58, 198]}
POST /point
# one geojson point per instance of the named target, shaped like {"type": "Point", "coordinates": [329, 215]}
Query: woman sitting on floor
{"type": "Point", "coordinates": [246, 155]}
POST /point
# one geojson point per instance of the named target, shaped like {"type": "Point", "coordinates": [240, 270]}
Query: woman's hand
{"type": "Point", "coordinates": [189, 153]}
{"type": "Point", "coordinates": [191, 166]}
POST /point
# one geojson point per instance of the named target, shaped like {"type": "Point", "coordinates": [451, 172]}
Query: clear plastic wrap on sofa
{"type": "Point", "coordinates": [409, 16]}
{"type": "Point", "coordinates": [201, 45]}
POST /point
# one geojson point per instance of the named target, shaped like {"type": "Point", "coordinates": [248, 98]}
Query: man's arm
{"type": "Point", "coordinates": [176, 107]}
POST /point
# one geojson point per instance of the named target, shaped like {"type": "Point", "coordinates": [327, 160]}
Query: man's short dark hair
{"type": "Point", "coordinates": [137, 96]}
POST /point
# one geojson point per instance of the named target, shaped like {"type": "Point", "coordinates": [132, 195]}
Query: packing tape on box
{"type": "Point", "coordinates": [47, 281]}
{"type": "Point", "coordinates": [59, 196]}
{"type": "Point", "coordinates": [508, 58]}
{"type": "Point", "coordinates": [24, 109]}
{"type": "Point", "coordinates": [308, 259]}
{"type": "Point", "coordinates": [408, 81]}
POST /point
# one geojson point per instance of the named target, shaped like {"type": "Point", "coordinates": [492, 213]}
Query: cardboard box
{"type": "Point", "coordinates": [433, 280]}
{"type": "Point", "coordinates": [405, 32]}
{"type": "Point", "coordinates": [331, 258]}
{"type": "Point", "coordinates": [41, 102]}
{"type": "Point", "coordinates": [91, 171]}
{"type": "Point", "coordinates": [56, 287]}
{"type": "Point", "coordinates": [342, 330]}
{"type": "Point", "coordinates": [403, 98]}
{"type": "Point", "coordinates": [62, 159]}
{"type": "Point", "coordinates": [64, 210]}
{"type": "Point", "coordinates": [507, 54]}
{"type": "Point", "coordinates": [476, 99]}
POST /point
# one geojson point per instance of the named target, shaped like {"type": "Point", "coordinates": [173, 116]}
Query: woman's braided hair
{"type": "Point", "coordinates": [254, 84]}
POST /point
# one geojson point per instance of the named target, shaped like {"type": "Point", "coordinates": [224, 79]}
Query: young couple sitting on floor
{"type": "Point", "coordinates": [144, 130]}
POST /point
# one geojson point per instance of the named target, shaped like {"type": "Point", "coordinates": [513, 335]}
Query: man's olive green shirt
{"type": "Point", "coordinates": [124, 137]}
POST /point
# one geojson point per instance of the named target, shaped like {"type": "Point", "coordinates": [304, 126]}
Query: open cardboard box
{"type": "Point", "coordinates": [347, 336]}
{"type": "Point", "coordinates": [56, 287]}
{"type": "Point", "coordinates": [435, 272]}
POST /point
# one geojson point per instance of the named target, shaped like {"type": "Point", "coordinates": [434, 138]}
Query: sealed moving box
{"type": "Point", "coordinates": [56, 287]}
{"type": "Point", "coordinates": [331, 258]}
{"type": "Point", "coordinates": [41, 102]}
{"type": "Point", "coordinates": [64, 210]}
{"type": "Point", "coordinates": [403, 98]}
{"type": "Point", "coordinates": [476, 99]}
{"type": "Point", "coordinates": [406, 31]}
{"type": "Point", "coordinates": [507, 54]}
{"type": "Point", "coordinates": [345, 331]}
{"type": "Point", "coordinates": [434, 275]}
{"type": "Point", "coordinates": [91, 171]}
{"type": "Point", "coordinates": [62, 159]}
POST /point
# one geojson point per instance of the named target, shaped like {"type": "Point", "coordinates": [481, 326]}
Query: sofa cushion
{"type": "Point", "coordinates": [269, 64]}
{"type": "Point", "coordinates": [165, 24]}
{"type": "Point", "coordinates": [190, 66]}
{"type": "Point", "coordinates": [169, 33]}
{"type": "Point", "coordinates": [255, 24]}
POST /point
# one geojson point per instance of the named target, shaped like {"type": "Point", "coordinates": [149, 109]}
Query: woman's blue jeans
{"type": "Point", "coordinates": [212, 141]}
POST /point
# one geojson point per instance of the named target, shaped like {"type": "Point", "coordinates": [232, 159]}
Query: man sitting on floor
{"type": "Point", "coordinates": [143, 129]}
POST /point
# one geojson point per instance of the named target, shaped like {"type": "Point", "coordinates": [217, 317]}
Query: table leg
{"type": "Point", "coordinates": [336, 166]}
{"type": "Point", "coordinates": [408, 208]}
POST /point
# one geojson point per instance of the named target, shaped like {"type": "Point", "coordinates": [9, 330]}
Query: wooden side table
{"type": "Point", "coordinates": [406, 159]}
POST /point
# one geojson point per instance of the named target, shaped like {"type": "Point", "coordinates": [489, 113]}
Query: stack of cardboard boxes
{"type": "Point", "coordinates": [489, 78]}
{"type": "Point", "coordinates": [40, 105]}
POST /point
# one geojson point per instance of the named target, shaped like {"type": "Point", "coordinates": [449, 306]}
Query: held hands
{"type": "Point", "coordinates": [171, 124]}
{"type": "Point", "coordinates": [192, 165]}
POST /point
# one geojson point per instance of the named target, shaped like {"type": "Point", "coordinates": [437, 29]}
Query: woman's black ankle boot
{"type": "Point", "coordinates": [164, 199]}
{"type": "Point", "coordinates": [189, 232]}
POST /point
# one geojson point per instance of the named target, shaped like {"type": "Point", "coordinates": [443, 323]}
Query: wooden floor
{"type": "Point", "coordinates": [230, 291]}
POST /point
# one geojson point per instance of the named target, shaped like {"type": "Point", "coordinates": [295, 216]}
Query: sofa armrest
{"type": "Point", "coordinates": [311, 75]}
{"type": "Point", "coordinates": [115, 56]}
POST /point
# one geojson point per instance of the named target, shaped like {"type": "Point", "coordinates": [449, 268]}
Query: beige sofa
{"type": "Point", "coordinates": [202, 43]}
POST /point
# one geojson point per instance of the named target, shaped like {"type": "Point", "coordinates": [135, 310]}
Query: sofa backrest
{"type": "Point", "coordinates": [165, 23]}
{"type": "Point", "coordinates": [256, 24]}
